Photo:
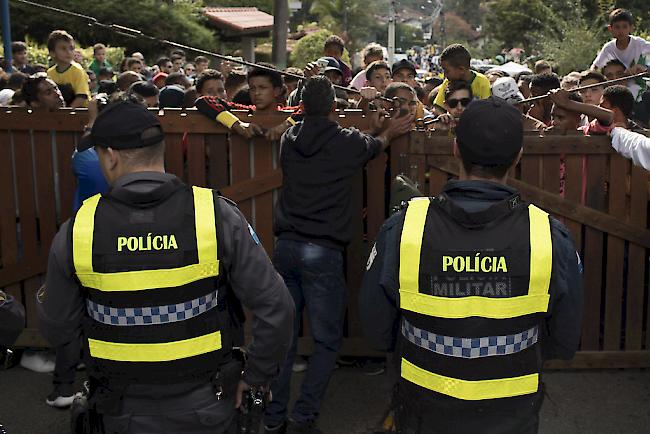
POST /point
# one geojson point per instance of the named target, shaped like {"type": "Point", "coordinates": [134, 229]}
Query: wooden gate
{"type": "Point", "coordinates": [37, 188]}
{"type": "Point", "coordinates": [604, 205]}
{"type": "Point", "coordinates": [608, 221]}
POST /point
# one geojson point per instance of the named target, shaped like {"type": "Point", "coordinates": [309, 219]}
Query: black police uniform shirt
{"type": "Point", "coordinates": [379, 294]}
{"type": "Point", "coordinates": [61, 307]}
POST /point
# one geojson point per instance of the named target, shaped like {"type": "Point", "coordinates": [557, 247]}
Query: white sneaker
{"type": "Point", "coordinates": [56, 400]}
{"type": "Point", "coordinates": [38, 361]}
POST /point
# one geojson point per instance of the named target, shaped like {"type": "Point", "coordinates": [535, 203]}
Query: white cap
{"type": "Point", "coordinates": [506, 88]}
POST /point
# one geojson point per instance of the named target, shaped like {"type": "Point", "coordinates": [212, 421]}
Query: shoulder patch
{"type": "Point", "coordinates": [253, 234]}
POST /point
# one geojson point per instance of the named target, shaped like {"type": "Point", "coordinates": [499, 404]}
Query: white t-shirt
{"type": "Point", "coordinates": [359, 80]}
{"type": "Point", "coordinates": [636, 53]}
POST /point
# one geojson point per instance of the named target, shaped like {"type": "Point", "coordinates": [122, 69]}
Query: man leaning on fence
{"type": "Point", "coordinates": [312, 223]}
{"type": "Point", "coordinates": [473, 290]}
{"type": "Point", "coordinates": [154, 274]}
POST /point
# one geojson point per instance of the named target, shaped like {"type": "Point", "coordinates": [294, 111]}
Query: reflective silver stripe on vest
{"type": "Point", "coordinates": [137, 316]}
{"type": "Point", "coordinates": [470, 348]}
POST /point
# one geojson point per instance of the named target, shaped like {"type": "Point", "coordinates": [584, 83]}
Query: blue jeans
{"type": "Point", "coordinates": [314, 276]}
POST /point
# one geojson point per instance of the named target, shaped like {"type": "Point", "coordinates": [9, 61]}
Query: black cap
{"type": "Point", "coordinates": [120, 126]}
{"type": "Point", "coordinates": [332, 65]}
{"type": "Point", "coordinates": [172, 96]}
{"type": "Point", "coordinates": [490, 132]}
{"type": "Point", "coordinates": [404, 64]}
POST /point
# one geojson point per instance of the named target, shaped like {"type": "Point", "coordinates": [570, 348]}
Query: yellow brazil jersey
{"type": "Point", "coordinates": [74, 78]}
{"type": "Point", "coordinates": [480, 89]}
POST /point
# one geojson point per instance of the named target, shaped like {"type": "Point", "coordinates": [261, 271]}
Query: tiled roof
{"type": "Point", "coordinates": [240, 20]}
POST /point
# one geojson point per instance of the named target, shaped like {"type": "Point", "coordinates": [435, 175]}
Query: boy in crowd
{"type": "Point", "coordinates": [614, 110]}
{"type": "Point", "coordinates": [235, 80]}
{"type": "Point", "coordinates": [177, 63]}
{"type": "Point", "coordinates": [202, 63]}
{"type": "Point", "coordinates": [99, 60]}
{"type": "Point", "coordinates": [334, 47]}
{"type": "Point", "coordinates": [455, 60]}
{"type": "Point", "coordinates": [593, 95]}
{"type": "Point", "coordinates": [371, 53]}
{"type": "Point", "coordinates": [378, 75]}
{"type": "Point", "coordinates": [406, 96]}
{"type": "Point", "coordinates": [133, 64]}
{"type": "Point", "coordinates": [66, 73]}
{"type": "Point", "coordinates": [105, 74]}
{"type": "Point", "coordinates": [38, 91]}
{"type": "Point", "coordinates": [632, 51]}
{"type": "Point", "coordinates": [404, 71]}
{"type": "Point", "coordinates": [165, 65]}
{"type": "Point", "coordinates": [210, 83]}
{"type": "Point", "coordinates": [614, 69]}
{"type": "Point", "coordinates": [543, 67]}
{"type": "Point", "coordinates": [541, 85]}
{"type": "Point", "coordinates": [19, 56]}
{"type": "Point", "coordinates": [264, 88]}
{"type": "Point", "coordinates": [290, 82]}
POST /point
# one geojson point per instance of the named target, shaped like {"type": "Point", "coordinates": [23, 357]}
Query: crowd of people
{"type": "Point", "coordinates": [394, 96]}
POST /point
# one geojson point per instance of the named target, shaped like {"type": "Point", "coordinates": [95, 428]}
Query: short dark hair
{"type": "Point", "coordinates": [16, 80]}
{"type": "Point", "coordinates": [546, 81]}
{"type": "Point", "coordinates": [201, 59]}
{"type": "Point", "coordinates": [575, 96]}
{"type": "Point", "coordinates": [295, 71]}
{"type": "Point", "coordinates": [177, 52]}
{"type": "Point", "coordinates": [18, 47]}
{"type": "Point", "coordinates": [124, 79]}
{"type": "Point", "coordinates": [318, 96]}
{"type": "Point", "coordinates": [98, 47]}
{"type": "Point", "coordinates": [620, 97]}
{"type": "Point", "coordinates": [542, 64]}
{"type": "Point", "coordinates": [592, 75]}
{"type": "Point", "coordinates": [456, 55]}
{"type": "Point", "coordinates": [621, 15]}
{"type": "Point", "coordinates": [176, 57]}
{"type": "Point", "coordinates": [29, 90]}
{"type": "Point", "coordinates": [56, 37]}
{"type": "Point", "coordinates": [393, 88]}
{"type": "Point", "coordinates": [235, 79]}
{"type": "Point", "coordinates": [242, 96]}
{"type": "Point", "coordinates": [208, 74]}
{"type": "Point", "coordinates": [523, 75]}
{"type": "Point", "coordinates": [162, 60]}
{"type": "Point", "coordinates": [147, 155]}
{"type": "Point", "coordinates": [176, 78]}
{"type": "Point", "coordinates": [190, 97]}
{"type": "Point", "coordinates": [377, 64]}
{"type": "Point", "coordinates": [455, 86]}
{"type": "Point", "coordinates": [132, 60]}
{"type": "Point", "coordinates": [334, 40]}
{"type": "Point", "coordinates": [613, 62]}
{"type": "Point", "coordinates": [274, 76]}
{"type": "Point", "coordinates": [144, 89]}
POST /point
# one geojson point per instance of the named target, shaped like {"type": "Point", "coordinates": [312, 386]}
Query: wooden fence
{"type": "Point", "coordinates": [37, 187]}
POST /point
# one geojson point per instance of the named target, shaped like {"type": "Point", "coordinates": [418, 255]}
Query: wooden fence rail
{"type": "Point", "coordinates": [607, 213]}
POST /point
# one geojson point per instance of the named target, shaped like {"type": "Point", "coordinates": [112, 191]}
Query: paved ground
{"type": "Point", "coordinates": [578, 402]}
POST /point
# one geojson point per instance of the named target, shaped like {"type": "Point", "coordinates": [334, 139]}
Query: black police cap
{"type": "Point", "coordinates": [120, 126]}
{"type": "Point", "coordinates": [490, 132]}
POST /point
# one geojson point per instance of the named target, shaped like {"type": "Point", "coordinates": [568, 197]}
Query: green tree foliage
{"type": "Point", "coordinates": [516, 22]}
{"type": "Point", "coordinates": [181, 22]}
{"type": "Point", "coordinates": [351, 19]}
{"type": "Point", "coordinates": [309, 48]}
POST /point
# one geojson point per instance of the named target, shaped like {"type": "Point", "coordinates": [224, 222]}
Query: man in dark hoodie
{"type": "Point", "coordinates": [312, 223]}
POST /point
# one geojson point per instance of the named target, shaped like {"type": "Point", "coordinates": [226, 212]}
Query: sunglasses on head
{"type": "Point", "coordinates": [452, 103]}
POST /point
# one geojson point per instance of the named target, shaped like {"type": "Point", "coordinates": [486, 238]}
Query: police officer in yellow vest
{"type": "Point", "coordinates": [473, 290]}
{"type": "Point", "coordinates": [153, 273]}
